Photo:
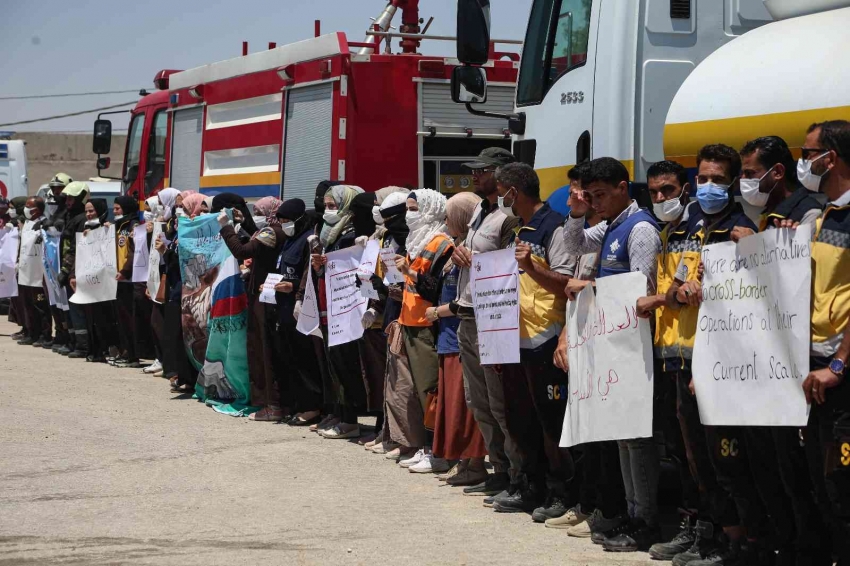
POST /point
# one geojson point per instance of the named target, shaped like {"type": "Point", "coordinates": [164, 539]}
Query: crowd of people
{"type": "Point", "coordinates": [750, 495]}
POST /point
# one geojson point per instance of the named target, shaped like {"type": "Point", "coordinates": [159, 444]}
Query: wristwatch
{"type": "Point", "coordinates": [836, 366]}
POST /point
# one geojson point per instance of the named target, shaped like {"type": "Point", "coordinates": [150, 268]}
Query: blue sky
{"type": "Point", "coordinates": [52, 46]}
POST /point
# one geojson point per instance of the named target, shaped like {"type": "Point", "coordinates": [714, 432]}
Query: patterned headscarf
{"type": "Point", "coordinates": [459, 210]}
{"type": "Point", "coordinates": [267, 206]}
{"type": "Point", "coordinates": [192, 203]}
{"type": "Point", "coordinates": [431, 220]}
{"type": "Point", "coordinates": [342, 195]}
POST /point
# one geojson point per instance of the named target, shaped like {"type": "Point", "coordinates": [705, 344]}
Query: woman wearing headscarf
{"type": "Point", "coordinates": [241, 215]}
{"type": "Point", "coordinates": [125, 212]}
{"type": "Point", "coordinates": [100, 317]}
{"type": "Point", "coordinates": [76, 195]}
{"type": "Point", "coordinates": [156, 315]}
{"type": "Point", "coordinates": [175, 360]}
{"type": "Point", "coordinates": [263, 249]}
{"type": "Point", "coordinates": [347, 392]}
{"type": "Point", "coordinates": [429, 249]}
{"type": "Point", "coordinates": [456, 434]}
{"type": "Point", "coordinates": [17, 311]}
{"type": "Point", "coordinates": [206, 205]}
{"type": "Point", "coordinates": [303, 361]}
{"type": "Point", "coordinates": [397, 439]}
{"type": "Point", "coordinates": [192, 203]}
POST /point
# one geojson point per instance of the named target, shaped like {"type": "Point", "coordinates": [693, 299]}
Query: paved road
{"type": "Point", "coordinates": [105, 466]}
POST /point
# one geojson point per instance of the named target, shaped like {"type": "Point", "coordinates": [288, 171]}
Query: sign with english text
{"type": "Point", "coordinates": [494, 278]}
{"type": "Point", "coordinates": [346, 305]}
{"type": "Point", "coordinates": [751, 350]}
{"type": "Point", "coordinates": [95, 268]}
{"type": "Point", "coordinates": [610, 353]}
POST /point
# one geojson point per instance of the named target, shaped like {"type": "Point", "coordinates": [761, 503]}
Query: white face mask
{"type": "Point", "coordinates": [148, 216]}
{"type": "Point", "coordinates": [288, 228]}
{"type": "Point", "coordinates": [119, 217]}
{"type": "Point", "coordinates": [13, 213]}
{"type": "Point", "coordinates": [804, 173]}
{"type": "Point", "coordinates": [669, 210]}
{"type": "Point", "coordinates": [413, 218]}
{"type": "Point", "coordinates": [751, 193]}
{"type": "Point", "coordinates": [180, 212]}
{"type": "Point", "coordinates": [93, 223]}
{"type": "Point", "coordinates": [28, 213]}
{"type": "Point", "coordinates": [376, 215]}
{"type": "Point", "coordinates": [509, 211]}
{"type": "Point", "coordinates": [260, 222]}
{"type": "Point", "coordinates": [331, 217]}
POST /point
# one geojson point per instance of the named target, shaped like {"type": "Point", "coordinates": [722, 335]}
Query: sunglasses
{"type": "Point", "coordinates": [809, 152]}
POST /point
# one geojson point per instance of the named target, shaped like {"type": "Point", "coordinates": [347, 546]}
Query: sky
{"type": "Point", "coordinates": [57, 47]}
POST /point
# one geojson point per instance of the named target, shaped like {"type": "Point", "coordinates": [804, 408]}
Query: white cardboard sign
{"type": "Point", "coordinates": [346, 305]}
{"type": "Point", "coordinates": [95, 268]}
{"type": "Point", "coordinates": [495, 297]}
{"type": "Point", "coordinates": [30, 263]}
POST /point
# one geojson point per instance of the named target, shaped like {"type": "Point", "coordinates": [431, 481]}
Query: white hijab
{"type": "Point", "coordinates": [168, 197]}
{"type": "Point", "coordinates": [431, 221]}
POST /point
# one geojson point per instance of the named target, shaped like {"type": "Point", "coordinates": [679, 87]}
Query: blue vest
{"type": "Point", "coordinates": [614, 255]}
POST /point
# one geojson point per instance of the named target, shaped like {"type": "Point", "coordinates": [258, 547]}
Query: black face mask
{"type": "Point", "coordinates": [397, 226]}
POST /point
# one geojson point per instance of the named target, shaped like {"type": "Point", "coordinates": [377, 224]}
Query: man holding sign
{"type": "Point", "coordinates": [629, 242]}
{"type": "Point", "coordinates": [535, 386]}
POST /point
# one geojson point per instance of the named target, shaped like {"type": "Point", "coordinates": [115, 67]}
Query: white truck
{"type": "Point", "coordinates": [13, 167]}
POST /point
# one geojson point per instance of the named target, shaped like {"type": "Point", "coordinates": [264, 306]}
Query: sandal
{"type": "Point", "coordinates": [267, 415]}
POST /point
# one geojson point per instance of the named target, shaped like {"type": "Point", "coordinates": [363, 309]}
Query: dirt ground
{"type": "Point", "coordinates": [105, 466]}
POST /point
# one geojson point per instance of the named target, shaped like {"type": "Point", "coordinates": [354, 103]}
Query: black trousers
{"type": "Point", "coordinates": [101, 321]}
{"type": "Point", "coordinates": [126, 321]}
{"type": "Point", "coordinates": [535, 404]}
{"type": "Point", "coordinates": [60, 323]}
{"type": "Point", "coordinates": [77, 326]}
{"type": "Point", "coordinates": [175, 360]}
{"type": "Point", "coordinates": [300, 368]}
{"type": "Point", "coordinates": [142, 310]}
{"type": "Point", "coordinates": [36, 312]}
{"type": "Point", "coordinates": [602, 482]}
{"type": "Point", "coordinates": [345, 370]}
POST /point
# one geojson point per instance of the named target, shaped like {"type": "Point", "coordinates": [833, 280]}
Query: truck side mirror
{"type": "Point", "coordinates": [102, 141]}
{"type": "Point", "coordinates": [473, 31]}
{"type": "Point", "coordinates": [469, 85]}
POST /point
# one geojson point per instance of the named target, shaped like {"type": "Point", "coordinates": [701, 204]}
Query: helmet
{"type": "Point", "coordinates": [60, 180]}
{"type": "Point", "coordinates": [77, 189]}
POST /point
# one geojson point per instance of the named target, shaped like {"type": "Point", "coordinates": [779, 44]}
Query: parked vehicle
{"type": "Point", "coordinates": [13, 166]}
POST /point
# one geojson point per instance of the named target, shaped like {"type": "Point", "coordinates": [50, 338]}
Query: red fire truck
{"type": "Point", "coordinates": [277, 122]}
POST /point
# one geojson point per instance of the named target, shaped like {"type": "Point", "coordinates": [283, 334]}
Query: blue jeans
{"type": "Point", "coordinates": [640, 467]}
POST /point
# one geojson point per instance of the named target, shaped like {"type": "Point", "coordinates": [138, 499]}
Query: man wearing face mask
{"type": "Point", "coordinates": [490, 230]}
{"type": "Point", "coordinates": [31, 282]}
{"type": "Point", "coordinates": [753, 456]}
{"type": "Point", "coordinates": [628, 243]}
{"type": "Point", "coordinates": [825, 167]}
{"type": "Point", "coordinates": [57, 216]}
{"type": "Point", "coordinates": [769, 182]}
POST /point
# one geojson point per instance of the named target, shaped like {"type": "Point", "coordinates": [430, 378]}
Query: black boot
{"type": "Point", "coordinates": [704, 544]}
{"type": "Point", "coordinates": [525, 499]}
{"type": "Point", "coordinates": [554, 506]}
{"type": "Point", "coordinates": [684, 540]}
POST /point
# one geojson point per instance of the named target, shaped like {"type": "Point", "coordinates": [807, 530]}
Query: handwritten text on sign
{"type": "Point", "coordinates": [95, 267]}
{"type": "Point", "coordinates": [751, 351]}
{"type": "Point", "coordinates": [610, 354]}
{"type": "Point", "coordinates": [495, 296]}
{"type": "Point", "coordinates": [346, 305]}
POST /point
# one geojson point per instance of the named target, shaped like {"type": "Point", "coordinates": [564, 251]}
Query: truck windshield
{"type": "Point", "coordinates": [555, 42]}
{"type": "Point", "coordinates": [134, 146]}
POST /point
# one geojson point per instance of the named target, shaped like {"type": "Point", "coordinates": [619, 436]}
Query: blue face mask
{"type": "Point", "coordinates": [712, 198]}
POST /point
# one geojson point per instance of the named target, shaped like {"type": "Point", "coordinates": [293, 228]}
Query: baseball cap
{"type": "Point", "coordinates": [492, 157]}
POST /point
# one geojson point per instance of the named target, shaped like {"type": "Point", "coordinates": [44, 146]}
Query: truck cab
{"type": "Point", "coordinates": [597, 77]}
{"type": "Point", "coordinates": [145, 153]}
{"type": "Point", "coordinates": [13, 167]}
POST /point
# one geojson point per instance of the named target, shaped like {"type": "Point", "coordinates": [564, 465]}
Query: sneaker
{"type": "Point", "coordinates": [56, 347]}
{"type": "Point", "coordinates": [429, 464]}
{"type": "Point", "coordinates": [131, 364]}
{"type": "Point", "coordinates": [413, 460]}
{"type": "Point", "coordinates": [501, 496]}
{"type": "Point", "coordinates": [340, 431]}
{"type": "Point", "coordinates": [77, 354]}
{"type": "Point", "coordinates": [553, 507]}
{"type": "Point", "coordinates": [472, 474]}
{"type": "Point", "coordinates": [46, 344]}
{"type": "Point", "coordinates": [26, 341]}
{"type": "Point", "coordinates": [64, 350]}
{"type": "Point", "coordinates": [18, 335]}
{"type": "Point", "coordinates": [493, 485]}
{"type": "Point", "coordinates": [639, 536]}
{"type": "Point", "coordinates": [571, 518]}
{"type": "Point", "coordinates": [327, 422]}
{"type": "Point", "coordinates": [490, 499]}
{"type": "Point", "coordinates": [113, 353]}
{"type": "Point", "coordinates": [523, 500]}
{"type": "Point", "coordinates": [154, 367]}
{"type": "Point", "coordinates": [704, 544]}
{"type": "Point", "coordinates": [684, 539]}
{"type": "Point", "coordinates": [40, 343]}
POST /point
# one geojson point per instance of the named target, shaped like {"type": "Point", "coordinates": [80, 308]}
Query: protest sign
{"type": "Point", "coordinates": [367, 268]}
{"type": "Point", "coordinates": [308, 320]}
{"type": "Point", "coordinates": [495, 296]}
{"type": "Point", "coordinates": [610, 354]}
{"type": "Point", "coordinates": [95, 269]}
{"type": "Point", "coordinates": [214, 309]}
{"type": "Point", "coordinates": [751, 350]}
{"type": "Point", "coordinates": [30, 262]}
{"type": "Point", "coordinates": [154, 260]}
{"type": "Point", "coordinates": [391, 273]}
{"type": "Point", "coordinates": [267, 294]}
{"type": "Point", "coordinates": [141, 254]}
{"type": "Point", "coordinates": [346, 305]}
{"type": "Point", "coordinates": [57, 295]}
{"type": "Point", "coordinates": [8, 259]}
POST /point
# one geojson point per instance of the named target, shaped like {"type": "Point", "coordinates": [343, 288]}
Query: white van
{"type": "Point", "coordinates": [13, 167]}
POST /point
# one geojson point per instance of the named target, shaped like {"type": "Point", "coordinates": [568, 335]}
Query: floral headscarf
{"type": "Point", "coordinates": [267, 206]}
{"type": "Point", "coordinates": [430, 221]}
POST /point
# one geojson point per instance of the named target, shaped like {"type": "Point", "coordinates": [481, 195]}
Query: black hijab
{"type": "Point", "coordinates": [321, 190]}
{"type": "Point", "coordinates": [128, 204]}
{"type": "Point", "coordinates": [361, 209]}
{"type": "Point", "coordinates": [234, 201]}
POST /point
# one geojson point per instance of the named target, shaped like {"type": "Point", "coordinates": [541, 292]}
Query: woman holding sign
{"type": "Point", "coordinates": [125, 211]}
{"type": "Point", "coordinates": [429, 249]}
